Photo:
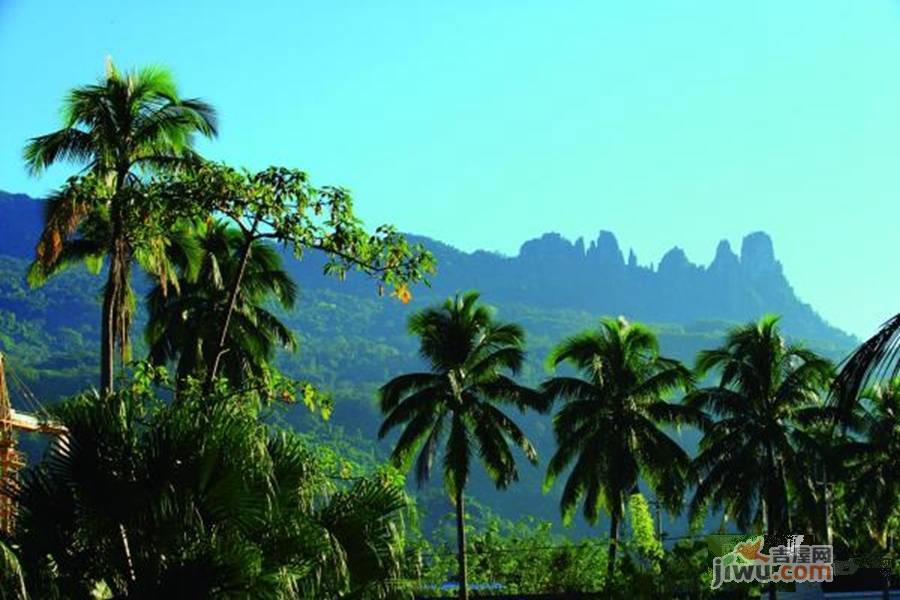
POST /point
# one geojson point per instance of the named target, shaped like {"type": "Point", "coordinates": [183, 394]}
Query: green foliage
{"type": "Point", "coordinates": [199, 499]}
{"type": "Point", "coordinates": [281, 204]}
{"type": "Point", "coordinates": [524, 557]}
{"type": "Point", "coordinates": [643, 537]}
{"type": "Point", "coordinates": [751, 461]}
{"type": "Point", "coordinates": [873, 457]}
{"type": "Point", "coordinates": [12, 579]}
{"type": "Point", "coordinates": [124, 126]}
{"type": "Point", "coordinates": [470, 356]}
{"type": "Point", "coordinates": [608, 428]}
{"type": "Point", "coordinates": [184, 324]}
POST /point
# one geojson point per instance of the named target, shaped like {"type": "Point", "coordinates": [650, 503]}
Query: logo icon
{"type": "Point", "coordinates": [793, 562]}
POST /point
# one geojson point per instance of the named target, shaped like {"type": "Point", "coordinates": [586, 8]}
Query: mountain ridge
{"type": "Point", "coordinates": [554, 272]}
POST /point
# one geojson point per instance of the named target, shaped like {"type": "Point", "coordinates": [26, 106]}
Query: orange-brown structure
{"type": "Point", "coordinates": [11, 460]}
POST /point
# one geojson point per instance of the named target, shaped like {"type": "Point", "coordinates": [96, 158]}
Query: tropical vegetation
{"type": "Point", "coordinates": [192, 472]}
{"type": "Point", "coordinates": [455, 404]}
{"type": "Point", "coordinates": [608, 429]}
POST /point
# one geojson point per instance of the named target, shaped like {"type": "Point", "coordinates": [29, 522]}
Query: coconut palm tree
{"type": "Point", "coordinates": [184, 325]}
{"type": "Point", "coordinates": [471, 357]}
{"type": "Point", "coordinates": [122, 127]}
{"type": "Point", "coordinates": [874, 464]}
{"type": "Point", "coordinates": [608, 428]}
{"type": "Point", "coordinates": [750, 463]}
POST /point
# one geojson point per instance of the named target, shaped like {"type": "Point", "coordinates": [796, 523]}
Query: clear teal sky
{"type": "Point", "coordinates": [669, 122]}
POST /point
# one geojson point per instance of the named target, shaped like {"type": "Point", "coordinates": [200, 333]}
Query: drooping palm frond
{"type": "Point", "coordinates": [876, 359]}
{"type": "Point", "coordinates": [12, 578]}
{"type": "Point", "coordinates": [750, 461]}
{"type": "Point", "coordinates": [185, 323]}
{"type": "Point", "coordinates": [621, 392]}
{"type": "Point", "coordinates": [469, 355]}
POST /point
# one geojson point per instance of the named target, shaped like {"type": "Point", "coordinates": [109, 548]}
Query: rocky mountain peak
{"type": "Point", "coordinates": [725, 259]}
{"type": "Point", "coordinates": [605, 250]}
{"type": "Point", "coordinates": [758, 254]}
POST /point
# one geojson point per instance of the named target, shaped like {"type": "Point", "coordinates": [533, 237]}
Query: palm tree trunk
{"type": "Point", "coordinates": [112, 321]}
{"type": "Point", "coordinates": [770, 537]}
{"type": "Point", "coordinates": [229, 311]}
{"type": "Point", "coordinates": [886, 589]}
{"type": "Point", "coordinates": [461, 546]}
{"type": "Point", "coordinates": [829, 531]}
{"type": "Point", "coordinates": [107, 339]}
{"type": "Point", "coordinates": [109, 318]}
{"type": "Point", "coordinates": [611, 552]}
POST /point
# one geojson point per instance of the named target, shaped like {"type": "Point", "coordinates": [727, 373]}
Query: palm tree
{"type": "Point", "coordinates": [199, 500]}
{"type": "Point", "coordinates": [470, 357]}
{"type": "Point", "coordinates": [119, 128]}
{"type": "Point", "coordinates": [874, 464]}
{"type": "Point", "coordinates": [749, 461]}
{"type": "Point", "coordinates": [184, 326]}
{"type": "Point", "coordinates": [609, 424]}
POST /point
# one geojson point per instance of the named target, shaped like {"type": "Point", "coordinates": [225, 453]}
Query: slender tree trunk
{"type": "Point", "coordinates": [770, 537]}
{"type": "Point", "coordinates": [126, 550]}
{"type": "Point", "coordinates": [461, 545]}
{"type": "Point", "coordinates": [886, 588]}
{"type": "Point", "coordinates": [112, 320]}
{"type": "Point", "coordinates": [229, 311]}
{"type": "Point", "coordinates": [611, 551]}
{"type": "Point", "coordinates": [826, 494]}
{"type": "Point", "coordinates": [772, 512]}
{"type": "Point", "coordinates": [107, 339]}
{"type": "Point", "coordinates": [109, 319]}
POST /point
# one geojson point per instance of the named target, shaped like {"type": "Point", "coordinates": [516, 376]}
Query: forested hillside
{"type": "Point", "coordinates": [351, 340]}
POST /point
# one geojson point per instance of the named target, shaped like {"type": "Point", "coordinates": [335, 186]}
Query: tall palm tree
{"type": "Point", "coordinates": [608, 428]}
{"type": "Point", "coordinates": [749, 461]}
{"type": "Point", "coordinates": [119, 128]}
{"type": "Point", "coordinates": [471, 357]}
{"type": "Point", "coordinates": [184, 326]}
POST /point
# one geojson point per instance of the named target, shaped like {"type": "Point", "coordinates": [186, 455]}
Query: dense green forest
{"type": "Point", "coordinates": [349, 343]}
{"type": "Point", "coordinates": [261, 396]}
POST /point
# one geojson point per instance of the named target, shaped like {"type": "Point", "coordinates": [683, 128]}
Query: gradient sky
{"type": "Point", "coordinates": [669, 122]}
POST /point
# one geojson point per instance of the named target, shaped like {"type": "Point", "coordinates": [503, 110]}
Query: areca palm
{"type": "Point", "coordinates": [471, 357]}
{"type": "Point", "coordinates": [184, 326]}
{"type": "Point", "coordinates": [120, 128]}
{"type": "Point", "coordinates": [750, 462]}
{"type": "Point", "coordinates": [608, 429]}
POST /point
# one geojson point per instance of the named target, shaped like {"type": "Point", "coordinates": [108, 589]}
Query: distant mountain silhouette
{"type": "Point", "coordinates": [554, 272]}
